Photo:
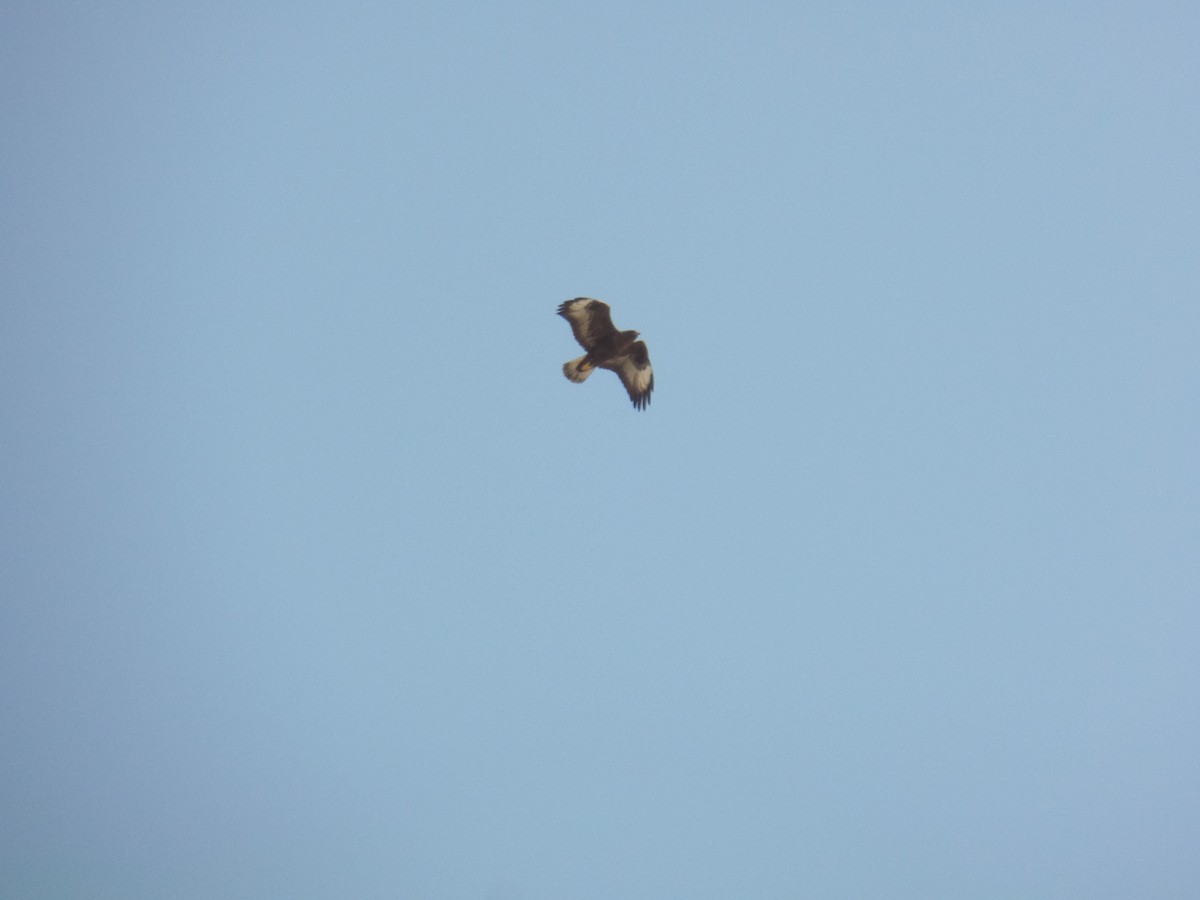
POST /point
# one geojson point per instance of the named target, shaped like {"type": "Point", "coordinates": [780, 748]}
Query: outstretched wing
{"type": "Point", "coordinates": [591, 321]}
{"type": "Point", "coordinates": [635, 372]}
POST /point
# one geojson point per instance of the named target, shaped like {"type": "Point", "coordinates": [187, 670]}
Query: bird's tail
{"type": "Point", "coordinates": [578, 370]}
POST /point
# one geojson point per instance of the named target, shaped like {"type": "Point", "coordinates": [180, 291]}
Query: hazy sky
{"type": "Point", "coordinates": [318, 579]}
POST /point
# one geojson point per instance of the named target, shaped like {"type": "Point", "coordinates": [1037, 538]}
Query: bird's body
{"type": "Point", "coordinates": [607, 348]}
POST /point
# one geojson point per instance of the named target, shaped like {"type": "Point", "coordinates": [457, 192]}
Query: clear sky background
{"type": "Point", "coordinates": [320, 581]}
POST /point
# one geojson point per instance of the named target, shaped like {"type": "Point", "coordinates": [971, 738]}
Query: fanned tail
{"type": "Point", "coordinates": [577, 369]}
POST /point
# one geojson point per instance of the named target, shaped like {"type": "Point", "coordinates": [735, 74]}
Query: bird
{"type": "Point", "coordinates": [607, 348]}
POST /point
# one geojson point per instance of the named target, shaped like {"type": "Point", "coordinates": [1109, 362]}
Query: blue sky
{"type": "Point", "coordinates": [321, 581]}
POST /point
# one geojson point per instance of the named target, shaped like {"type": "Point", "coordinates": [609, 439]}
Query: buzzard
{"type": "Point", "coordinates": [607, 348]}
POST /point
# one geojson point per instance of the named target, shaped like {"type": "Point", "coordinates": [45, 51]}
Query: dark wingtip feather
{"type": "Point", "coordinates": [566, 305]}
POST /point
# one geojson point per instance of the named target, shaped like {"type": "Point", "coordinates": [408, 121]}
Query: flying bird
{"type": "Point", "coordinates": [607, 348]}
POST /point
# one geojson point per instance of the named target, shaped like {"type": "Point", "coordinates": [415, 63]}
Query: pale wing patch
{"type": "Point", "coordinates": [638, 380]}
{"type": "Point", "coordinates": [576, 310]}
{"type": "Point", "coordinates": [590, 319]}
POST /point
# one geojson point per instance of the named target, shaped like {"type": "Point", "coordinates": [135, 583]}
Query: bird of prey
{"type": "Point", "coordinates": [607, 348]}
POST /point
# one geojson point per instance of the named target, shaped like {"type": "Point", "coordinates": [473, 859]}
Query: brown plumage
{"type": "Point", "coordinates": [607, 348]}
